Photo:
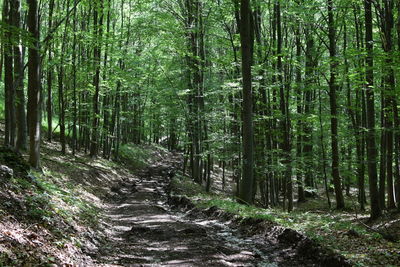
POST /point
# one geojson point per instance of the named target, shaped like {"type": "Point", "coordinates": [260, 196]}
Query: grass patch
{"type": "Point", "coordinates": [67, 202]}
{"type": "Point", "coordinates": [183, 185]}
{"type": "Point", "coordinates": [233, 207]}
{"type": "Point", "coordinates": [134, 156]}
{"type": "Point", "coordinates": [46, 200]}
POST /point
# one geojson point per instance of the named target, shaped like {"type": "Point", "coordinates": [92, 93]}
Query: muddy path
{"type": "Point", "coordinates": [144, 231]}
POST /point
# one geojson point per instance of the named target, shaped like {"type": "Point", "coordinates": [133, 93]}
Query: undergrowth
{"type": "Point", "coordinates": [328, 228]}
{"type": "Point", "coordinates": [134, 157]}
{"type": "Point", "coordinates": [48, 203]}
{"type": "Point", "coordinates": [46, 200]}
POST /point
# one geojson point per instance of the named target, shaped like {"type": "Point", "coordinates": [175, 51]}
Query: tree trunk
{"type": "Point", "coordinates": [34, 88]}
{"type": "Point", "coordinates": [371, 146]}
{"type": "Point", "coordinates": [50, 74]}
{"type": "Point", "coordinates": [61, 86]}
{"type": "Point", "coordinates": [389, 93]}
{"type": "Point", "coordinates": [246, 185]}
{"type": "Point", "coordinates": [333, 103]}
{"type": "Point", "coordinates": [300, 123]}
{"type": "Point", "coordinates": [98, 28]}
{"type": "Point", "coordinates": [9, 92]}
{"type": "Point", "coordinates": [75, 100]}
{"type": "Point", "coordinates": [397, 125]}
{"type": "Point", "coordinates": [19, 80]}
{"type": "Point", "coordinates": [308, 127]}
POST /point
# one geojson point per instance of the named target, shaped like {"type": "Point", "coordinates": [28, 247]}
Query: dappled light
{"type": "Point", "coordinates": [146, 232]}
{"type": "Point", "coordinates": [199, 133]}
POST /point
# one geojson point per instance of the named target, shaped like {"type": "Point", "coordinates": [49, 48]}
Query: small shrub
{"type": "Point", "coordinates": [38, 207]}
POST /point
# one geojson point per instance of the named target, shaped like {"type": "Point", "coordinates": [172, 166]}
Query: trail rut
{"type": "Point", "coordinates": [144, 231]}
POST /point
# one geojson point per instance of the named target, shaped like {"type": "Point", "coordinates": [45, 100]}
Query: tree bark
{"type": "Point", "coordinates": [389, 92]}
{"type": "Point", "coordinates": [333, 104]}
{"type": "Point", "coordinates": [50, 74]}
{"type": "Point", "coordinates": [9, 93]}
{"type": "Point", "coordinates": [98, 28]}
{"type": "Point", "coordinates": [371, 146]}
{"type": "Point", "coordinates": [21, 142]}
{"type": "Point", "coordinates": [34, 88]}
{"type": "Point", "coordinates": [246, 185]}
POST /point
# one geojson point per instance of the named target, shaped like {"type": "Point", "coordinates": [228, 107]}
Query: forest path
{"type": "Point", "coordinates": [145, 232]}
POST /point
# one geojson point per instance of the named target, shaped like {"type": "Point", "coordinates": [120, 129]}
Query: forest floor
{"type": "Point", "coordinates": [93, 212]}
{"type": "Point", "coordinates": [348, 233]}
{"type": "Point", "coordinates": [143, 230]}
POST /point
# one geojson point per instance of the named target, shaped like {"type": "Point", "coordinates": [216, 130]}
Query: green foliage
{"type": "Point", "coordinates": [22, 183]}
{"type": "Point", "coordinates": [68, 204]}
{"type": "Point", "coordinates": [39, 207]}
{"type": "Point", "coordinates": [88, 213]}
{"type": "Point", "coordinates": [45, 199]}
{"type": "Point", "coordinates": [184, 185]}
{"type": "Point", "coordinates": [135, 157]}
{"type": "Point", "coordinates": [231, 206]}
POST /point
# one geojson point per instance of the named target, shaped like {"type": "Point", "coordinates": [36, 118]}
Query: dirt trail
{"type": "Point", "coordinates": [145, 232]}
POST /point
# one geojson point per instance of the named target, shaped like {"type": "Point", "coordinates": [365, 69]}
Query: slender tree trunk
{"type": "Point", "coordinates": [50, 74]}
{"type": "Point", "coordinates": [357, 112]}
{"type": "Point", "coordinates": [246, 185]}
{"type": "Point", "coordinates": [300, 123]}
{"type": "Point", "coordinates": [9, 92]}
{"type": "Point", "coordinates": [74, 72]}
{"type": "Point", "coordinates": [308, 126]}
{"type": "Point", "coordinates": [34, 88]}
{"type": "Point", "coordinates": [285, 120]}
{"type": "Point", "coordinates": [323, 153]}
{"type": "Point", "coordinates": [383, 150]}
{"type": "Point", "coordinates": [389, 93]}
{"type": "Point", "coordinates": [106, 98]}
{"type": "Point", "coordinates": [397, 125]}
{"type": "Point", "coordinates": [21, 142]}
{"type": "Point", "coordinates": [333, 103]}
{"type": "Point", "coordinates": [98, 28]}
{"type": "Point", "coordinates": [62, 87]}
{"type": "Point", "coordinates": [371, 146]}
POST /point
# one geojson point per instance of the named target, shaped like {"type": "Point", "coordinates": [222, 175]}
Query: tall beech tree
{"type": "Point", "coordinates": [246, 186]}
{"type": "Point", "coordinates": [34, 85]}
{"type": "Point", "coordinates": [333, 88]}
{"type": "Point", "coordinates": [20, 113]}
{"type": "Point", "coordinates": [370, 100]}
{"type": "Point", "coordinates": [9, 90]}
{"type": "Point", "coordinates": [98, 15]}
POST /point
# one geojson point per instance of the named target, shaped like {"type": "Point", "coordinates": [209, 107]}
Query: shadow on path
{"type": "Point", "coordinates": [143, 231]}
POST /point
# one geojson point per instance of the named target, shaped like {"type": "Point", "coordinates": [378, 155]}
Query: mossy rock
{"type": "Point", "coordinates": [15, 161]}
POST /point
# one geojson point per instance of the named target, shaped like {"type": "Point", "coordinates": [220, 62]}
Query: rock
{"type": "Point", "coordinates": [309, 193]}
{"type": "Point", "coordinates": [180, 202]}
{"type": "Point", "coordinates": [194, 231]}
{"type": "Point", "coordinates": [139, 230]}
{"type": "Point", "coordinates": [116, 189]}
{"type": "Point", "coordinates": [211, 210]}
{"type": "Point", "coordinates": [290, 236]}
{"type": "Point", "coordinates": [6, 173]}
{"type": "Point", "coordinates": [171, 174]}
{"type": "Point", "coordinates": [307, 247]}
{"type": "Point", "coordinates": [352, 233]}
{"type": "Point", "coordinates": [14, 161]}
